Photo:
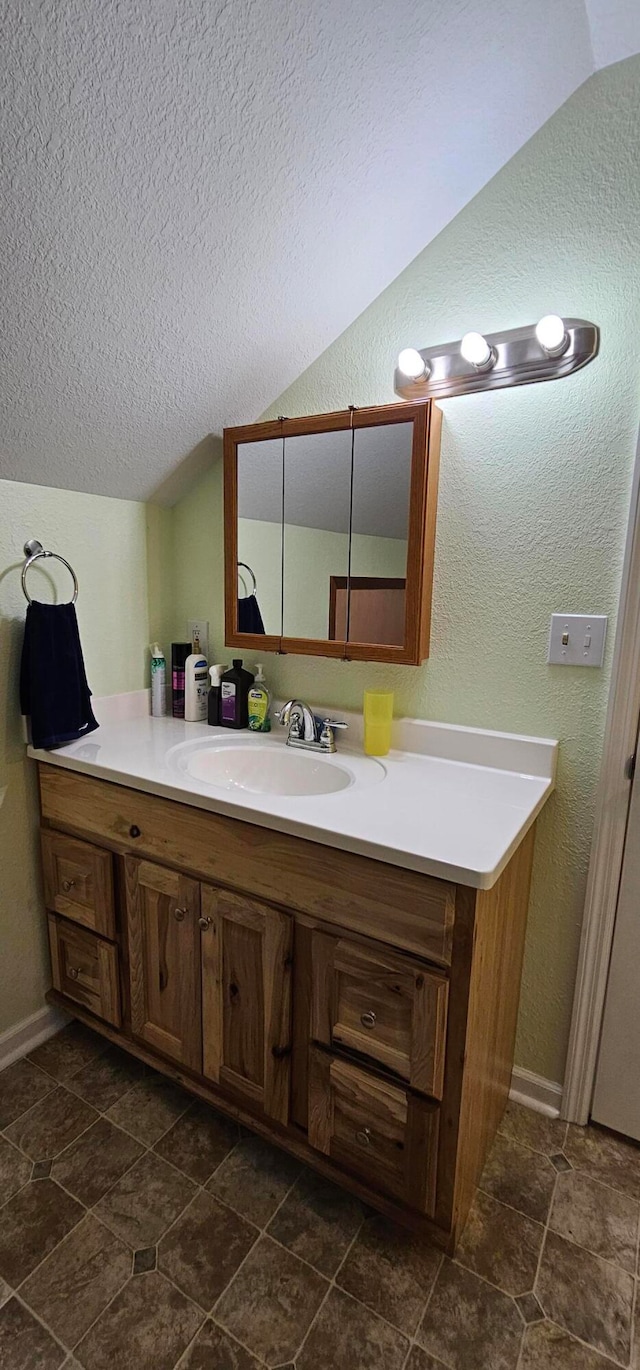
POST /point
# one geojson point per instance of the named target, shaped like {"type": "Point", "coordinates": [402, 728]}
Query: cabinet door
{"type": "Point", "coordinates": [379, 1131]}
{"type": "Point", "coordinates": [78, 881]}
{"type": "Point", "coordinates": [388, 1007]}
{"type": "Point", "coordinates": [164, 965]}
{"type": "Point", "coordinates": [246, 999]}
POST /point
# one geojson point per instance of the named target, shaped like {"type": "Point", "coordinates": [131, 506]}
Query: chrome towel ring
{"type": "Point", "coordinates": [248, 568]}
{"type": "Point", "coordinates": [33, 550]}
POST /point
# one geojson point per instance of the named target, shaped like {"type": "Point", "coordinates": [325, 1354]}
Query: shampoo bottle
{"type": "Point", "coordinates": [196, 688]}
{"type": "Point", "coordinates": [259, 721]}
{"type": "Point", "coordinates": [158, 682]}
{"type": "Point", "coordinates": [234, 696]}
{"type": "Point", "coordinates": [215, 673]}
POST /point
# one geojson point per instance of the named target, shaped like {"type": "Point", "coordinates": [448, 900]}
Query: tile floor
{"type": "Point", "coordinates": [141, 1231]}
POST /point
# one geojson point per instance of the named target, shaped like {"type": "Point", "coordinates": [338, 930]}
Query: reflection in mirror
{"type": "Point", "coordinates": [260, 537]}
{"type": "Point", "coordinates": [317, 490]}
{"type": "Point", "coordinates": [380, 518]}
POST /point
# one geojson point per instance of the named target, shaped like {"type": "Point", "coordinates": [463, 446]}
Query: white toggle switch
{"type": "Point", "coordinates": [577, 639]}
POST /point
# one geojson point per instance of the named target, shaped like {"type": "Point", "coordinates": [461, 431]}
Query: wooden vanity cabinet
{"type": "Point", "coordinates": [359, 1015]}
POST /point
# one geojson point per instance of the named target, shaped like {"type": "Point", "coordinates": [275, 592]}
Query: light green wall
{"type": "Point", "coordinates": [104, 540]}
{"type": "Point", "coordinates": [534, 488]}
{"type": "Point", "coordinates": [311, 556]}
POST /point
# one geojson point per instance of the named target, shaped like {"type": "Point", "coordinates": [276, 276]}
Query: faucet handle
{"type": "Point", "coordinates": [334, 723]}
{"type": "Point", "coordinates": [327, 736]}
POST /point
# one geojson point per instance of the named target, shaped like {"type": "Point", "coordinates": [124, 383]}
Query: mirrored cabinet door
{"type": "Point", "coordinates": [258, 543]}
{"type": "Point", "coordinates": [317, 500]}
{"type": "Point", "coordinates": [374, 609]}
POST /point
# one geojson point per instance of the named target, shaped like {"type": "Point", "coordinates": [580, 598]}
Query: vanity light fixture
{"type": "Point", "coordinates": [546, 351]}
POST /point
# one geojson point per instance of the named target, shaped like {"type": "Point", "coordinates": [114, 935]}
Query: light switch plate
{"type": "Point", "coordinates": [577, 639]}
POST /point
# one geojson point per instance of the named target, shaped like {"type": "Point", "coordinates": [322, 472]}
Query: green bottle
{"type": "Point", "coordinates": [259, 721]}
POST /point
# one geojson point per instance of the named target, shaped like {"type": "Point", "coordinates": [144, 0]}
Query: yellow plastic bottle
{"type": "Point", "coordinates": [378, 717]}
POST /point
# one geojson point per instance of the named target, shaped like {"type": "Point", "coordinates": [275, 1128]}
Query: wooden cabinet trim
{"type": "Point", "coordinates": [414, 912]}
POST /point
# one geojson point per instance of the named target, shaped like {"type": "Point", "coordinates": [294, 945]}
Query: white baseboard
{"type": "Point", "coordinates": [544, 1096]}
{"type": "Point", "coordinates": [19, 1040]}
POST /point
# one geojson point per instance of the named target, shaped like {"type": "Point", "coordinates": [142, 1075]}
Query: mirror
{"type": "Point", "coordinates": [317, 495]}
{"type": "Point", "coordinates": [259, 538]}
{"type": "Point", "coordinates": [371, 606]}
{"type": "Point", "coordinates": [332, 519]}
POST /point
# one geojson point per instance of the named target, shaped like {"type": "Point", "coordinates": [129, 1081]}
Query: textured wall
{"type": "Point", "coordinates": [104, 539]}
{"type": "Point", "coordinates": [534, 487]}
{"type": "Point", "coordinates": [186, 189]}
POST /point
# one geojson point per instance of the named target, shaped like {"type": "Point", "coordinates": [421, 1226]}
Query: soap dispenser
{"type": "Point", "coordinates": [234, 696]}
{"type": "Point", "coordinates": [215, 673]}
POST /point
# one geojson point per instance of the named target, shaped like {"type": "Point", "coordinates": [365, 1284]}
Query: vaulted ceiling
{"type": "Point", "coordinates": [198, 196]}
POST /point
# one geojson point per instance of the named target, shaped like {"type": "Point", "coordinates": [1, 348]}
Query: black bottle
{"type": "Point", "coordinates": [234, 696]}
{"type": "Point", "coordinates": [179, 653]}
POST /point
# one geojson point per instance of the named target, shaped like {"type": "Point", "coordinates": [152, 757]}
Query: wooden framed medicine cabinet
{"type": "Point", "coordinates": [343, 500]}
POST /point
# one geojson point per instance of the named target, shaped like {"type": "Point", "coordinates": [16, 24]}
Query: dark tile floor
{"type": "Point", "coordinates": [140, 1231]}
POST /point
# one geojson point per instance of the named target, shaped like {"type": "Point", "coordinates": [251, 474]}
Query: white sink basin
{"type": "Point", "coordinates": [271, 768]}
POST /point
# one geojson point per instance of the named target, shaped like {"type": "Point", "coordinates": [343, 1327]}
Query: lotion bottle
{"type": "Point", "coordinates": [196, 688]}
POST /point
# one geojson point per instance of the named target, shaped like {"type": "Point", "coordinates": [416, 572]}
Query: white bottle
{"type": "Point", "coordinates": [158, 682]}
{"type": "Point", "coordinates": [196, 688]}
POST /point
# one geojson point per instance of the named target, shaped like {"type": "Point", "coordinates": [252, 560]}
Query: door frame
{"type": "Point", "coordinates": [609, 834]}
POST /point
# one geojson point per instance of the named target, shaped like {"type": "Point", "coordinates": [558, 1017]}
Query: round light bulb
{"type": "Point", "coordinates": [476, 350]}
{"type": "Point", "coordinates": [411, 364]}
{"type": "Point", "coordinates": [552, 335]}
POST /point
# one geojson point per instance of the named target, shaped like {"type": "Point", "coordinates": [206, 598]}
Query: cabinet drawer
{"type": "Point", "coordinates": [384, 1006]}
{"type": "Point", "coordinates": [85, 968]}
{"type": "Point", "coordinates": [78, 881]}
{"type": "Point", "coordinates": [379, 1131]}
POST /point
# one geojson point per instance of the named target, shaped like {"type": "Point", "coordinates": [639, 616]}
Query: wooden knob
{"type": "Point", "coordinates": [134, 830]}
{"type": "Point", "coordinates": [368, 1019]}
{"type": "Point", "coordinates": [179, 915]}
{"type": "Point", "coordinates": [73, 972]}
{"type": "Point", "coordinates": [364, 1136]}
{"type": "Point", "coordinates": [68, 885]}
{"type": "Point", "coordinates": [204, 923]}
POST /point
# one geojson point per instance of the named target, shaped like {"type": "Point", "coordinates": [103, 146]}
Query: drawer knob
{"type": "Point", "coordinates": [205, 923]}
{"type": "Point", "coordinates": [73, 972]}
{"type": "Point", "coordinates": [68, 885]}
{"type": "Point", "coordinates": [134, 830]}
{"type": "Point", "coordinates": [179, 915]}
{"type": "Point", "coordinates": [368, 1019]}
{"type": "Point", "coordinates": [363, 1137]}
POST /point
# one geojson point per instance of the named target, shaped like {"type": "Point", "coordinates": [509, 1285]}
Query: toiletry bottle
{"type": "Point", "coordinates": [196, 688]}
{"type": "Point", "coordinates": [158, 682]}
{"type": "Point", "coordinates": [214, 695]}
{"type": "Point", "coordinates": [179, 653]}
{"type": "Point", "coordinates": [259, 721]}
{"type": "Point", "coordinates": [234, 696]}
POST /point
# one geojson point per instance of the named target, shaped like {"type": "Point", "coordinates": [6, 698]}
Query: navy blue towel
{"type": "Point", "coordinates": [53, 684]}
{"type": "Point", "coordinates": [249, 616]}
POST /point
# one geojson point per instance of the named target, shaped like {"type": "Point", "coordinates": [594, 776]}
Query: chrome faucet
{"type": "Point", "coordinates": [307, 732]}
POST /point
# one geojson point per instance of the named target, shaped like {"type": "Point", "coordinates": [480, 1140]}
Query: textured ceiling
{"type": "Point", "coordinates": [200, 195]}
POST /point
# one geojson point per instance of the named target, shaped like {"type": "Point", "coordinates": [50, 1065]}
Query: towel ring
{"type": "Point", "coordinates": [33, 550]}
{"type": "Point", "coordinates": [248, 568]}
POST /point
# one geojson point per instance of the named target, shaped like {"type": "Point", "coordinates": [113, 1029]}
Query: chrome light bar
{"type": "Point", "coordinates": [516, 357]}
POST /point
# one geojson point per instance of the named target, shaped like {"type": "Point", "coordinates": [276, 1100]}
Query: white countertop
{"type": "Point", "coordinates": [448, 801]}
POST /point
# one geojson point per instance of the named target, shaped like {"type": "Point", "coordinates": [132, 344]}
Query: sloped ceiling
{"type": "Point", "coordinates": [200, 195]}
